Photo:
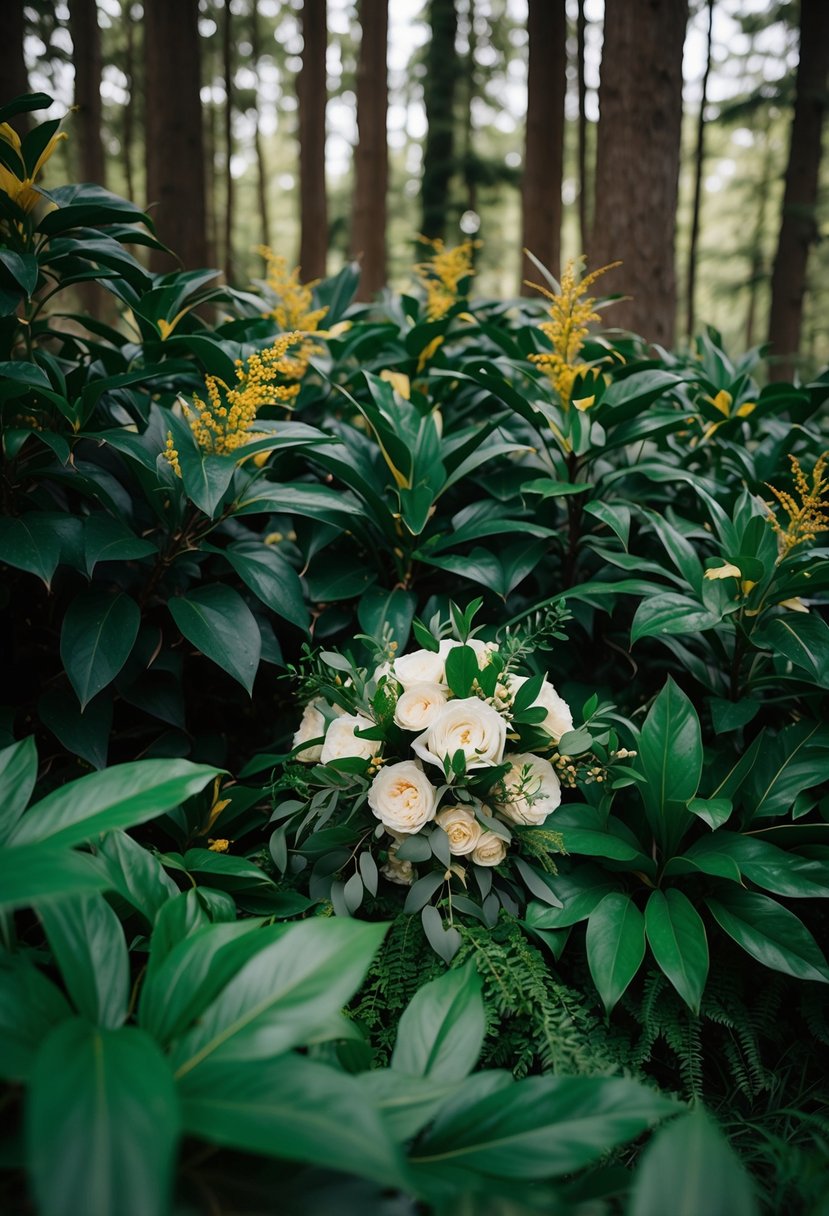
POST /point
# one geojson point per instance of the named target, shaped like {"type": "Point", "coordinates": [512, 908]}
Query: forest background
{"type": "Point", "coordinates": [199, 110]}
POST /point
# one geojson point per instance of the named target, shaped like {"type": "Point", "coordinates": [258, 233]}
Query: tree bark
{"type": "Point", "coordinates": [544, 149]}
{"type": "Point", "coordinates": [442, 70]}
{"type": "Point", "coordinates": [261, 168]}
{"type": "Point", "coordinates": [13, 72]}
{"type": "Point", "coordinates": [86, 57]}
{"type": "Point", "coordinates": [699, 161]}
{"type": "Point", "coordinates": [637, 158]}
{"type": "Point", "coordinates": [584, 189]}
{"type": "Point", "coordinates": [128, 116]}
{"type": "Point", "coordinates": [312, 93]}
{"type": "Point", "coordinates": [175, 145]}
{"type": "Point", "coordinates": [798, 227]}
{"type": "Point", "coordinates": [371, 156]}
{"type": "Point", "coordinates": [227, 65]}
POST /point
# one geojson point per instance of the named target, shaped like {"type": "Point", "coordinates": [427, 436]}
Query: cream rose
{"type": "Point", "coordinates": [533, 790]}
{"type": "Point", "coordinates": [419, 667]}
{"type": "Point", "coordinates": [462, 828]}
{"type": "Point", "coordinates": [468, 725]}
{"type": "Point", "coordinates": [311, 726]}
{"type": "Point", "coordinates": [397, 871]}
{"type": "Point", "coordinates": [341, 741]}
{"type": "Point", "coordinates": [418, 706]}
{"type": "Point", "coordinates": [559, 719]}
{"type": "Point", "coordinates": [402, 797]}
{"type": "Point", "coordinates": [490, 850]}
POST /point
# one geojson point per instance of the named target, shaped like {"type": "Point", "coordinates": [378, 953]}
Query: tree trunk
{"type": "Point", "coordinates": [371, 156]}
{"type": "Point", "coordinates": [128, 116]}
{"type": "Point", "coordinates": [637, 158]}
{"type": "Point", "coordinates": [312, 93]}
{"type": "Point", "coordinates": [699, 160]}
{"type": "Point", "coordinates": [584, 189]}
{"type": "Point", "coordinates": [261, 168]}
{"type": "Point", "coordinates": [798, 227]}
{"type": "Point", "coordinates": [439, 99]}
{"type": "Point", "coordinates": [12, 63]}
{"type": "Point", "coordinates": [86, 56]}
{"type": "Point", "coordinates": [227, 65]}
{"type": "Point", "coordinates": [758, 272]}
{"type": "Point", "coordinates": [543, 157]}
{"type": "Point", "coordinates": [175, 144]}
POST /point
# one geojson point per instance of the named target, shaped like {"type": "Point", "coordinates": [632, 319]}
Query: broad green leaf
{"type": "Point", "coordinates": [292, 1108]}
{"type": "Point", "coordinates": [676, 936]}
{"type": "Point", "coordinates": [119, 797]}
{"type": "Point", "coordinates": [804, 639]}
{"type": "Point", "coordinates": [580, 891]}
{"type": "Point", "coordinates": [441, 1031]}
{"type": "Point", "coordinates": [34, 872]}
{"type": "Point", "coordinates": [792, 761]}
{"type": "Point", "coordinates": [713, 811]}
{"type": "Point", "coordinates": [770, 933]}
{"type": "Point", "coordinates": [87, 943]}
{"type": "Point", "coordinates": [283, 993]}
{"type": "Point", "coordinates": [136, 874]}
{"type": "Point", "coordinates": [690, 1168]}
{"type": "Point", "coordinates": [670, 613]}
{"type": "Point", "coordinates": [396, 608]}
{"type": "Point", "coordinates": [271, 579]}
{"type": "Point", "coordinates": [99, 631]}
{"type": "Point", "coordinates": [18, 773]}
{"type": "Point", "coordinates": [102, 1123]}
{"type": "Point", "coordinates": [406, 1103]}
{"type": "Point", "coordinates": [615, 945]}
{"type": "Point", "coordinates": [30, 1005]}
{"type": "Point", "coordinates": [219, 623]}
{"type": "Point", "coordinates": [30, 543]}
{"type": "Point", "coordinates": [109, 539]}
{"type": "Point", "coordinates": [670, 757]}
{"type": "Point", "coordinates": [542, 1127]}
{"type": "Point", "coordinates": [461, 670]}
{"type": "Point", "coordinates": [774, 869]}
{"type": "Point", "coordinates": [85, 732]}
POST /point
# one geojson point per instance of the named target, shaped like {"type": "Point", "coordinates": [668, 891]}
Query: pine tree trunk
{"type": "Point", "coordinates": [758, 272]}
{"type": "Point", "coordinates": [637, 159]}
{"type": "Point", "coordinates": [371, 156]}
{"type": "Point", "coordinates": [699, 160]}
{"type": "Point", "coordinates": [798, 228]}
{"type": "Point", "coordinates": [227, 66]}
{"type": "Point", "coordinates": [261, 168]}
{"type": "Point", "coordinates": [543, 157]}
{"type": "Point", "coordinates": [584, 188]}
{"type": "Point", "coordinates": [13, 72]}
{"type": "Point", "coordinates": [128, 115]}
{"type": "Point", "coordinates": [175, 145]}
{"type": "Point", "coordinates": [312, 95]}
{"type": "Point", "coordinates": [86, 57]}
{"type": "Point", "coordinates": [439, 97]}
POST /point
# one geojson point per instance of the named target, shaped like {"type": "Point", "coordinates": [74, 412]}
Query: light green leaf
{"type": "Point", "coordinates": [87, 943]}
{"type": "Point", "coordinates": [441, 1031]}
{"type": "Point", "coordinates": [615, 945]}
{"type": "Point", "coordinates": [18, 773]}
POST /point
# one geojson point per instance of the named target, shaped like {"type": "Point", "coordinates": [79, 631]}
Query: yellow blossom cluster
{"type": "Point", "coordinates": [571, 314]}
{"type": "Point", "coordinates": [443, 273]}
{"type": "Point", "coordinates": [22, 190]}
{"type": "Point", "coordinates": [222, 423]}
{"type": "Point", "coordinates": [171, 454]}
{"type": "Point", "coordinates": [293, 308]}
{"type": "Point", "coordinates": [808, 517]}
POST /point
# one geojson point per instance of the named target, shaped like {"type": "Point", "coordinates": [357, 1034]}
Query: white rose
{"type": "Point", "coordinates": [419, 667]}
{"type": "Point", "coordinates": [533, 790]}
{"type": "Point", "coordinates": [402, 797]}
{"type": "Point", "coordinates": [341, 742]}
{"type": "Point", "coordinates": [462, 828]}
{"type": "Point", "coordinates": [418, 706]}
{"type": "Point", "coordinates": [559, 719]}
{"type": "Point", "coordinates": [468, 725]}
{"type": "Point", "coordinates": [490, 850]}
{"type": "Point", "coordinates": [311, 726]}
{"type": "Point", "coordinates": [395, 870]}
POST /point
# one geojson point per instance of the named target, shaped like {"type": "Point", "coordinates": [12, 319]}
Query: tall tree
{"type": "Point", "coordinates": [261, 168]}
{"type": "Point", "coordinates": [544, 148]}
{"type": "Point", "coordinates": [798, 227]}
{"type": "Point", "coordinates": [699, 161]}
{"type": "Point", "coordinates": [442, 70]}
{"type": "Point", "coordinates": [584, 192]}
{"type": "Point", "coordinates": [86, 56]}
{"type": "Point", "coordinates": [175, 146]}
{"type": "Point", "coordinates": [129, 109]}
{"type": "Point", "coordinates": [371, 156]}
{"type": "Point", "coordinates": [227, 67]}
{"type": "Point", "coordinates": [12, 63]}
{"type": "Point", "coordinates": [637, 158]}
{"type": "Point", "coordinates": [312, 93]}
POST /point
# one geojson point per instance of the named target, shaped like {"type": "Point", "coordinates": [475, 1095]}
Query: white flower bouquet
{"type": "Point", "coordinates": [439, 771]}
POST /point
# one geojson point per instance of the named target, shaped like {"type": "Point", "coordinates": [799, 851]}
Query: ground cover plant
{"type": "Point", "coordinates": [421, 712]}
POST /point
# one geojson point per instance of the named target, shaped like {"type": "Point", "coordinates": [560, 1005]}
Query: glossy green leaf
{"type": "Point", "coordinates": [689, 1168]}
{"type": "Point", "coordinates": [292, 1108]}
{"type": "Point", "coordinates": [102, 1123]}
{"type": "Point", "coordinates": [108, 539]}
{"type": "Point", "coordinates": [676, 936]}
{"type": "Point", "coordinates": [271, 579]}
{"type": "Point", "coordinates": [580, 892]}
{"type": "Point", "coordinates": [136, 874]}
{"type": "Point", "coordinates": [85, 732]}
{"type": "Point", "coordinates": [283, 993]}
{"type": "Point", "coordinates": [18, 773]}
{"type": "Point", "coordinates": [30, 543]}
{"type": "Point", "coordinates": [219, 623]}
{"type": "Point", "coordinates": [396, 608]}
{"type": "Point", "coordinates": [670, 613]}
{"type": "Point", "coordinates": [770, 933]}
{"type": "Point", "coordinates": [34, 872]}
{"type": "Point", "coordinates": [713, 811]}
{"type": "Point", "coordinates": [794, 760]}
{"type": "Point", "coordinates": [774, 869]}
{"type": "Point", "coordinates": [804, 640]}
{"type": "Point", "coordinates": [88, 946]}
{"type": "Point", "coordinates": [119, 797]}
{"type": "Point", "coordinates": [441, 1031]}
{"type": "Point", "coordinates": [30, 1005]}
{"type": "Point", "coordinates": [615, 945]}
{"type": "Point", "coordinates": [670, 757]}
{"type": "Point", "coordinates": [99, 631]}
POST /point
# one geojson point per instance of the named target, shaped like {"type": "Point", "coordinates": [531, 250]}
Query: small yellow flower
{"type": "Point", "coordinates": [171, 454]}
{"type": "Point", "coordinates": [293, 309]}
{"type": "Point", "coordinates": [443, 273]}
{"type": "Point", "coordinates": [809, 517]}
{"type": "Point", "coordinates": [218, 846]}
{"type": "Point", "coordinates": [22, 190]}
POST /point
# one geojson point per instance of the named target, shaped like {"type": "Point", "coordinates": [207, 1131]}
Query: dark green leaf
{"type": "Point", "coordinates": [99, 631]}
{"type": "Point", "coordinates": [670, 756]}
{"type": "Point", "coordinates": [30, 1005]}
{"type": "Point", "coordinates": [770, 933]}
{"type": "Point", "coordinates": [219, 623]}
{"type": "Point", "coordinates": [615, 945]}
{"type": "Point", "coordinates": [676, 935]}
{"type": "Point", "coordinates": [87, 943]}
{"type": "Point", "coordinates": [18, 773]}
{"type": "Point", "coordinates": [271, 579]}
{"type": "Point", "coordinates": [441, 1031]}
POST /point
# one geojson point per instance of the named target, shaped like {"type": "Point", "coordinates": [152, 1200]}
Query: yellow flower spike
{"type": "Point", "coordinates": [809, 517]}
{"type": "Point", "coordinates": [399, 382]}
{"type": "Point", "coordinates": [442, 275]}
{"type": "Point", "coordinates": [727, 570]}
